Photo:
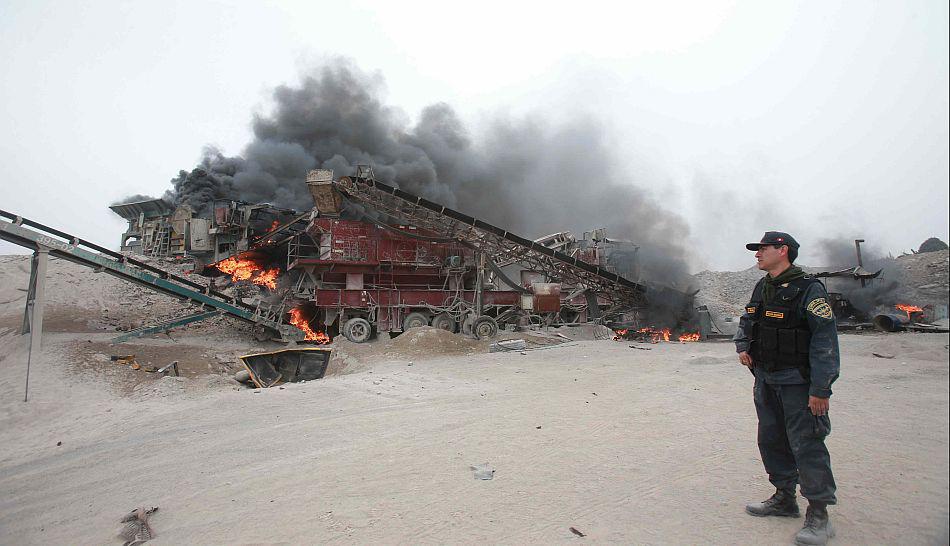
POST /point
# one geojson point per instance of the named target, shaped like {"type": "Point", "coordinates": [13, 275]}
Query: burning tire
{"type": "Point", "coordinates": [415, 320]}
{"type": "Point", "coordinates": [484, 327]}
{"type": "Point", "coordinates": [357, 330]}
{"type": "Point", "coordinates": [444, 321]}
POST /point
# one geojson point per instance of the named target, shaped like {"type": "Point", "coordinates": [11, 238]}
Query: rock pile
{"type": "Point", "coordinates": [917, 279]}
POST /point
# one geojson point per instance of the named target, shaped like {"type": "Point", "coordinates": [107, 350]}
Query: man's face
{"type": "Point", "coordinates": [768, 256]}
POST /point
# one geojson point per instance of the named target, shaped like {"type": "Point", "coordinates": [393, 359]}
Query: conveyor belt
{"type": "Point", "coordinates": [501, 245]}
{"type": "Point", "coordinates": [33, 235]}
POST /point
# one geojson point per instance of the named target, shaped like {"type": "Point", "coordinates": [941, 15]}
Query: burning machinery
{"type": "Point", "coordinates": [372, 258]}
{"type": "Point", "coordinates": [157, 229]}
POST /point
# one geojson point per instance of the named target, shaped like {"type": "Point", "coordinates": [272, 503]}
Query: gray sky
{"type": "Point", "coordinates": [824, 119]}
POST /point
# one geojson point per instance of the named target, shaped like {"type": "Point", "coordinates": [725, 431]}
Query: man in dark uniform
{"type": "Point", "coordinates": [788, 338]}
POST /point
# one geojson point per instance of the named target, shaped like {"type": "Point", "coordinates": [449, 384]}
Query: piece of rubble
{"type": "Point", "coordinates": [483, 471]}
{"type": "Point", "coordinates": [508, 345]}
{"type": "Point", "coordinates": [136, 529]}
{"type": "Point", "coordinates": [170, 368]}
{"type": "Point", "coordinates": [286, 365]}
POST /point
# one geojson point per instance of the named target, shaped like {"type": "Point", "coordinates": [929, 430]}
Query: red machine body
{"type": "Point", "coordinates": [352, 269]}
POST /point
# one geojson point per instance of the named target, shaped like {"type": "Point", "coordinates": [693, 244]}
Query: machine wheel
{"type": "Point", "coordinates": [357, 330]}
{"type": "Point", "coordinates": [484, 327]}
{"type": "Point", "coordinates": [467, 324]}
{"type": "Point", "coordinates": [414, 320]}
{"type": "Point", "coordinates": [444, 321]}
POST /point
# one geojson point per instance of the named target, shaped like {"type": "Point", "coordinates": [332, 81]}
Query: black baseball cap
{"type": "Point", "coordinates": [774, 238]}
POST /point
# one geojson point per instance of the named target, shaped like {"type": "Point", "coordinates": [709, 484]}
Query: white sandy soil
{"type": "Point", "coordinates": [626, 446]}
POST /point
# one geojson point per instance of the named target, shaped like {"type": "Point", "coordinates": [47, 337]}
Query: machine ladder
{"type": "Point", "coordinates": [158, 241]}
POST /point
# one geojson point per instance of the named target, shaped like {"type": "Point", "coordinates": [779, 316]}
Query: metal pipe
{"type": "Point", "coordinates": [890, 323]}
{"type": "Point", "coordinates": [857, 249]}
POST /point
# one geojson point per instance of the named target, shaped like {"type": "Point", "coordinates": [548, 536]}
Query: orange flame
{"type": "Point", "coordinates": [297, 319]}
{"type": "Point", "coordinates": [656, 335]}
{"type": "Point", "coordinates": [248, 270]}
{"type": "Point", "coordinates": [908, 309]}
{"type": "Point", "coordinates": [274, 226]}
{"type": "Point", "coordinates": [267, 278]}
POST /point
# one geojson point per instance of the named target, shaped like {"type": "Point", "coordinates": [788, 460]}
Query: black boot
{"type": "Point", "coordinates": [817, 529]}
{"type": "Point", "coordinates": [782, 503]}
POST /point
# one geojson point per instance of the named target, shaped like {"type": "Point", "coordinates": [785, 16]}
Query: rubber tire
{"type": "Point", "coordinates": [444, 321]}
{"type": "Point", "coordinates": [484, 328]}
{"type": "Point", "coordinates": [358, 330]}
{"type": "Point", "coordinates": [415, 320]}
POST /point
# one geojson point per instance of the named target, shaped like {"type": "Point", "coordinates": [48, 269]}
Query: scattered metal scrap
{"type": "Point", "coordinates": [136, 529]}
{"type": "Point", "coordinates": [483, 471]}
{"type": "Point", "coordinates": [130, 361]}
{"type": "Point", "coordinates": [123, 360]}
{"type": "Point", "coordinates": [286, 365]}
{"type": "Point", "coordinates": [165, 369]}
{"type": "Point", "coordinates": [508, 345]}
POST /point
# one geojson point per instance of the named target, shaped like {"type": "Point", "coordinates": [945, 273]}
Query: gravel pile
{"type": "Point", "coordinates": [725, 293]}
{"type": "Point", "coordinates": [926, 277]}
{"type": "Point", "coordinates": [918, 279]}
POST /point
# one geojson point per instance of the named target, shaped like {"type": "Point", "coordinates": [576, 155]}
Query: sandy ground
{"type": "Point", "coordinates": [626, 446]}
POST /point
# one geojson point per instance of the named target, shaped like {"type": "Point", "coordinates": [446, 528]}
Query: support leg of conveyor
{"type": "Point", "coordinates": [34, 311]}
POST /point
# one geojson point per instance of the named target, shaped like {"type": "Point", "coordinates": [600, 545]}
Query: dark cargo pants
{"type": "Point", "coordinates": [792, 441]}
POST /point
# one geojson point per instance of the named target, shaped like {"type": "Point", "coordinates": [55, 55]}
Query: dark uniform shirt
{"type": "Point", "coordinates": [823, 356]}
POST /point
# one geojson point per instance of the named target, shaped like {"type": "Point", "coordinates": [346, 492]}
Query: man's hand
{"type": "Point", "coordinates": [745, 359]}
{"type": "Point", "coordinates": [818, 406]}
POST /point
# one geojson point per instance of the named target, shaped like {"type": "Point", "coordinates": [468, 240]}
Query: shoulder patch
{"type": "Point", "coordinates": [750, 309]}
{"type": "Point", "coordinates": [820, 308]}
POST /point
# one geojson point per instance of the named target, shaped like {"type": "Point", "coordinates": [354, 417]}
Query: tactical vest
{"type": "Point", "coordinates": [780, 334]}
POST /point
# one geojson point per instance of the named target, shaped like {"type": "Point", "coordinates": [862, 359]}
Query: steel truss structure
{"type": "Point", "coordinates": [40, 238]}
{"type": "Point", "coordinates": [498, 244]}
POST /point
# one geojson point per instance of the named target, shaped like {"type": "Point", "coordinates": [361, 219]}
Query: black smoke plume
{"type": "Point", "coordinates": [526, 175]}
{"type": "Point", "coordinates": [875, 295]}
